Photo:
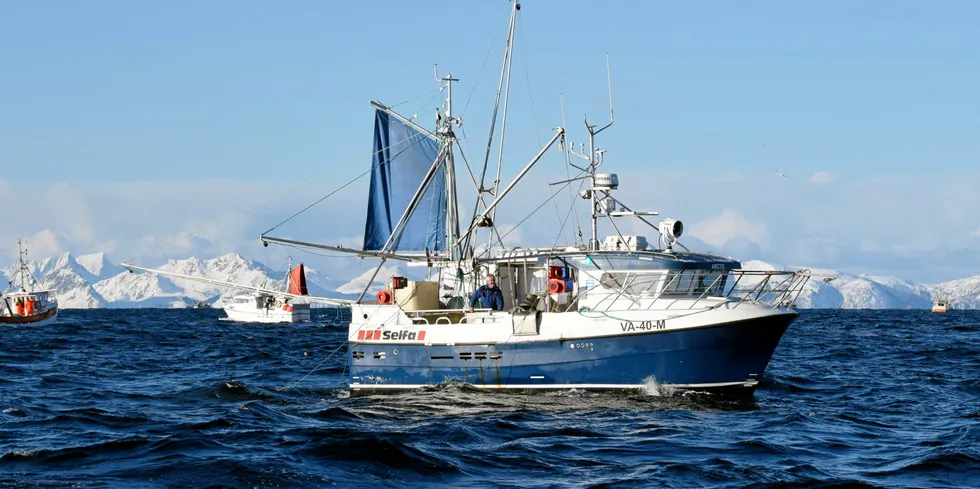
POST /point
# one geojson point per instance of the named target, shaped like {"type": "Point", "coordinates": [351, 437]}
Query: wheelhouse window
{"type": "Point", "coordinates": [631, 283]}
{"type": "Point", "coordinates": [694, 282]}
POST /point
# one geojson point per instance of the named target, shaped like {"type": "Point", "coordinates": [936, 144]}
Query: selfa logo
{"type": "Point", "coordinates": [388, 335]}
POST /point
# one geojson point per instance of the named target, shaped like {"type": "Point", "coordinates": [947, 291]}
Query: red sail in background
{"type": "Point", "coordinates": [297, 281]}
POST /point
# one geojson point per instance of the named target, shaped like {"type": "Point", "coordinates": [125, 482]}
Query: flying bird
{"type": "Point", "coordinates": [781, 174]}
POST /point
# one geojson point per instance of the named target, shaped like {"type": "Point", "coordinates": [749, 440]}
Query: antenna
{"type": "Point", "coordinates": [595, 155]}
{"type": "Point", "coordinates": [612, 117]}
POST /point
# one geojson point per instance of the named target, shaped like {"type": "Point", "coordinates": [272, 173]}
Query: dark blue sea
{"type": "Point", "coordinates": [176, 398]}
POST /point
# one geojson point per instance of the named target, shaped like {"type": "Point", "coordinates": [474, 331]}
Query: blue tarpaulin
{"type": "Point", "coordinates": [402, 158]}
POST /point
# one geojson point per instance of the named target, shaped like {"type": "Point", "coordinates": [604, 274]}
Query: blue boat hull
{"type": "Point", "coordinates": [722, 356]}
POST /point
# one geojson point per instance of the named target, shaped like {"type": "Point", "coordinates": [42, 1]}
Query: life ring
{"type": "Point", "coordinates": [278, 303]}
{"type": "Point", "coordinates": [384, 297]}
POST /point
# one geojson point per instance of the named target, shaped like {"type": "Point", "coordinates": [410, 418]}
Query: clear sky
{"type": "Point", "coordinates": [123, 124]}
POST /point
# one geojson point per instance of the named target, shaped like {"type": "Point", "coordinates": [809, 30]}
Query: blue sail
{"type": "Point", "coordinates": [402, 158]}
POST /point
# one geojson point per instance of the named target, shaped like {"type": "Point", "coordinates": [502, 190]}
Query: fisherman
{"type": "Point", "coordinates": [19, 306]}
{"type": "Point", "coordinates": [30, 307]}
{"type": "Point", "coordinates": [489, 295]}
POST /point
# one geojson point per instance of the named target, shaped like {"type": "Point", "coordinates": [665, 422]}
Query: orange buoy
{"type": "Point", "coordinates": [384, 297]}
{"type": "Point", "coordinates": [556, 286]}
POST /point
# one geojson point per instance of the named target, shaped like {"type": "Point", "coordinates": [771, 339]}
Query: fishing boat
{"type": "Point", "coordinates": [24, 303]}
{"type": "Point", "coordinates": [617, 313]}
{"type": "Point", "coordinates": [941, 305]}
{"type": "Point", "coordinates": [257, 304]}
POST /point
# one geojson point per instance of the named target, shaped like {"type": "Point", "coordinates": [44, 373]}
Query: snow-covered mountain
{"type": "Point", "coordinates": [71, 282]}
{"type": "Point", "coordinates": [831, 289]}
{"type": "Point", "coordinates": [92, 281]}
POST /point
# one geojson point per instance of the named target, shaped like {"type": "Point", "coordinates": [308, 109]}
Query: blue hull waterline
{"type": "Point", "coordinates": [722, 356]}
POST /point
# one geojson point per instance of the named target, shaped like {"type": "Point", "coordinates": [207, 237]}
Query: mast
{"type": "Point", "coordinates": [22, 264]}
{"type": "Point", "coordinates": [595, 160]}
{"type": "Point", "coordinates": [504, 74]}
{"type": "Point", "coordinates": [509, 63]}
{"type": "Point", "coordinates": [444, 131]}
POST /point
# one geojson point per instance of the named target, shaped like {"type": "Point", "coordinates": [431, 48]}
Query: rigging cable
{"type": "Point", "coordinates": [570, 212]}
{"type": "Point", "coordinates": [534, 117]}
{"type": "Point", "coordinates": [485, 58]}
{"type": "Point", "coordinates": [476, 82]}
{"type": "Point", "coordinates": [536, 209]}
{"type": "Point", "coordinates": [283, 194]}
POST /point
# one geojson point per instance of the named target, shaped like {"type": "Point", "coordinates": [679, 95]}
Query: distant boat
{"type": "Point", "coordinates": [261, 305]}
{"type": "Point", "coordinates": [941, 305]}
{"type": "Point", "coordinates": [270, 307]}
{"type": "Point", "coordinates": [27, 305]}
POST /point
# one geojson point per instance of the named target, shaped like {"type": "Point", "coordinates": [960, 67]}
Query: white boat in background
{"type": "Point", "coordinates": [269, 307]}
{"type": "Point", "coordinates": [941, 305]}
{"type": "Point", "coordinates": [28, 305]}
{"type": "Point", "coordinates": [257, 304]}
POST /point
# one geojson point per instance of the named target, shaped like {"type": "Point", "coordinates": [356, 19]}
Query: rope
{"type": "Point", "coordinates": [373, 167]}
{"type": "Point", "coordinates": [485, 58]}
{"type": "Point", "coordinates": [536, 210]}
{"type": "Point", "coordinates": [335, 350]}
{"type": "Point", "coordinates": [584, 309]}
{"type": "Point", "coordinates": [422, 109]}
{"type": "Point", "coordinates": [436, 90]}
{"type": "Point", "coordinates": [534, 117]}
{"type": "Point", "coordinates": [294, 384]}
{"type": "Point", "coordinates": [571, 209]}
{"type": "Point", "coordinates": [283, 194]}
{"type": "Point", "coordinates": [323, 255]}
{"type": "Point", "coordinates": [509, 133]}
{"type": "Point", "coordinates": [321, 199]}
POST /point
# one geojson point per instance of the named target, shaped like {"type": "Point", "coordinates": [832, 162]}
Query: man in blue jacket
{"type": "Point", "coordinates": [489, 295]}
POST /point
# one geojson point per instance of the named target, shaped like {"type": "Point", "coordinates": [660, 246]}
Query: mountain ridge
{"type": "Point", "coordinates": [92, 281]}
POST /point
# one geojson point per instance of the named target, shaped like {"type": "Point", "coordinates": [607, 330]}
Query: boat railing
{"type": "Point", "coordinates": [440, 316]}
{"type": "Point", "coordinates": [778, 288]}
{"type": "Point", "coordinates": [645, 288]}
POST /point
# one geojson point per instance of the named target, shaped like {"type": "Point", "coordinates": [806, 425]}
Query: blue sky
{"type": "Point", "coordinates": [868, 106]}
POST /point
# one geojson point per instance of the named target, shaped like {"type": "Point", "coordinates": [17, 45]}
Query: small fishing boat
{"type": "Point", "coordinates": [25, 303]}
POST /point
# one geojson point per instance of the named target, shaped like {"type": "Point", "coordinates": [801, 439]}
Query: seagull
{"type": "Point", "coordinates": [781, 174]}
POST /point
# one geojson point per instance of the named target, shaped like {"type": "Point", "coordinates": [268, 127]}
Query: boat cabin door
{"type": "Point", "coordinates": [518, 280]}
